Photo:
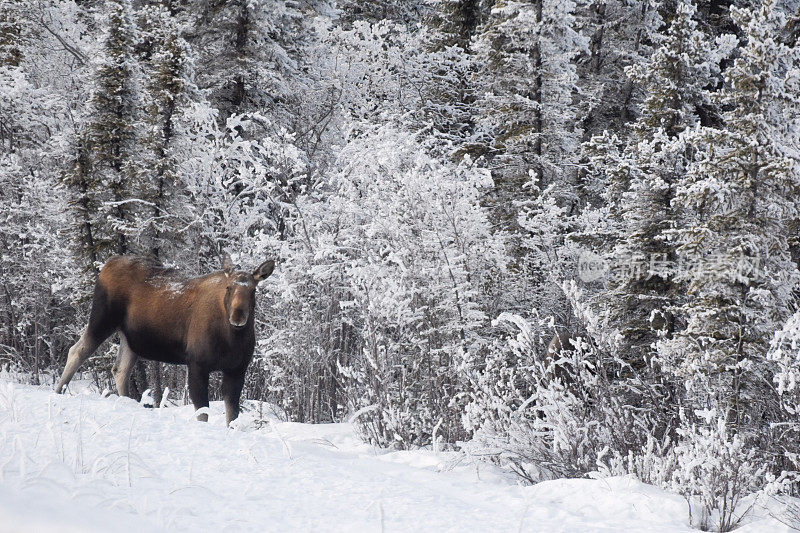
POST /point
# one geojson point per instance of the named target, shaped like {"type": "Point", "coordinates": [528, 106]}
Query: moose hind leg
{"type": "Point", "coordinates": [104, 319]}
{"type": "Point", "coordinates": [79, 353]}
{"type": "Point", "coordinates": [123, 367]}
{"type": "Point", "coordinates": [198, 389]}
{"type": "Point", "coordinates": [231, 392]}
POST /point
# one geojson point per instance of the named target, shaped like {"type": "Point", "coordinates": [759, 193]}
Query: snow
{"type": "Point", "coordinates": [84, 462]}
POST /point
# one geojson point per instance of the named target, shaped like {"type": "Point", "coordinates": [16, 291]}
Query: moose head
{"type": "Point", "coordinates": [240, 290]}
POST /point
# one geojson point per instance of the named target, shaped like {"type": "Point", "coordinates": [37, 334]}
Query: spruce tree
{"type": "Point", "coordinates": [82, 187]}
{"type": "Point", "coordinates": [13, 80]}
{"type": "Point", "coordinates": [105, 173]}
{"type": "Point", "coordinates": [167, 96]}
{"type": "Point", "coordinates": [247, 54]}
{"type": "Point", "coordinates": [739, 192]}
{"type": "Point", "coordinates": [448, 97]}
{"type": "Point", "coordinates": [642, 175]}
{"type": "Point", "coordinates": [112, 129]}
{"type": "Point", "coordinates": [526, 50]}
{"type": "Point", "coordinates": [11, 33]}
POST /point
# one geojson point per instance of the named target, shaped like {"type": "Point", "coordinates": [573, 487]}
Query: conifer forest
{"type": "Point", "coordinates": [559, 236]}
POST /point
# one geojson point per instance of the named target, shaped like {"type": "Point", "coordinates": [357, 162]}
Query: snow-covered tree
{"type": "Point", "coordinates": [619, 34]}
{"type": "Point", "coordinates": [168, 96]}
{"type": "Point", "coordinates": [246, 54]}
{"type": "Point", "coordinates": [239, 187]}
{"type": "Point", "coordinates": [112, 130]}
{"type": "Point", "coordinates": [739, 191]}
{"type": "Point", "coordinates": [641, 176]}
{"type": "Point", "coordinates": [449, 90]}
{"type": "Point", "coordinates": [527, 50]}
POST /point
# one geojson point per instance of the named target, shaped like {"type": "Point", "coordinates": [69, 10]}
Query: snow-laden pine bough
{"type": "Point", "coordinates": [205, 323]}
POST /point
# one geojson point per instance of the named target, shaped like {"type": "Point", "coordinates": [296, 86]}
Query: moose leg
{"type": "Point", "coordinates": [123, 367]}
{"type": "Point", "coordinates": [103, 321]}
{"type": "Point", "coordinates": [232, 384]}
{"type": "Point", "coordinates": [79, 353]}
{"type": "Point", "coordinates": [198, 389]}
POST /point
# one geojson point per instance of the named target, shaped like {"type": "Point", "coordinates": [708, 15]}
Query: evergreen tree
{"type": "Point", "coordinates": [82, 185]}
{"type": "Point", "coordinates": [105, 172]}
{"type": "Point", "coordinates": [740, 191]}
{"type": "Point", "coordinates": [11, 33]}
{"type": "Point", "coordinates": [641, 179]}
{"type": "Point", "coordinates": [449, 92]}
{"type": "Point", "coordinates": [527, 51]}
{"type": "Point", "coordinates": [168, 95]}
{"type": "Point", "coordinates": [15, 99]}
{"type": "Point", "coordinates": [247, 55]}
{"type": "Point", "coordinates": [609, 96]}
{"type": "Point", "coordinates": [112, 130]}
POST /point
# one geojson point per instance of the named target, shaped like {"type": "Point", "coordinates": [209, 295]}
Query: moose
{"type": "Point", "coordinates": [205, 323]}
{"type": "Point", "coordinates": [566, 345]}
{"type": "Point", "coordinates": [560, 343]}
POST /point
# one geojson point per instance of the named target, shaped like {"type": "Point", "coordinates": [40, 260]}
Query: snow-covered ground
{"type": "Point", "coordinates": [83, 462]}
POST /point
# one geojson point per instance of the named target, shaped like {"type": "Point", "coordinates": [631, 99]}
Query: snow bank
{"type": "Point", "coordinates": [88, 463]}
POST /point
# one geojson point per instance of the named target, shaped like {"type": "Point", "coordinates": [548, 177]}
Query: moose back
{"type": "Point", "coordinates": [206, 323]}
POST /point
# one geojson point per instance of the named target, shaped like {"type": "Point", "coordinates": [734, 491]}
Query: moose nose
{"type": "Point", "coordinates": [238, 320]}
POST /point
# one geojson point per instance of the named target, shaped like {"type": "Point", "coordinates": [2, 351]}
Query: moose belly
{"type": "Point", "coordinates": [149, 343]}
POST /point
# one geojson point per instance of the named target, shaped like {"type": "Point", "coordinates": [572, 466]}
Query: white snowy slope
{"type": "Point", "coordinates": [86, 463]}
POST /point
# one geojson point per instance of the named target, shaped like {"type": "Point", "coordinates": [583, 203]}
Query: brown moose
{"type": "Point", "coordinates": [560, 343]}
{"type": "Point", "coordinates": [205, 323]}
{"type": "Point", "coordinates": [563, 345]}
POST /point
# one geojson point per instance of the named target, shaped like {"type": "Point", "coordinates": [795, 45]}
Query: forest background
{"type": "Point", "coordinates": [446, 185]}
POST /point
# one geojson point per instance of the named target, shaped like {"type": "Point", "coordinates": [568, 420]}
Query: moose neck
{"type": "Point", "coordinates": [241, 336]}
{"type": "Point", "coordinates": [242, 332]}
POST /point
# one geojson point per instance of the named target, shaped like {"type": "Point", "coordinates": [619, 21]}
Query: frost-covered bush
{"type": "Point", "coordinates": [783, 489]}
{"type": "Point", "coordinates": [654, 463]}
{"type": "Point", "coordinates": [305, 334]}
{"type": "Point", "coordinates": [714, 471]}
{"type": "Point", "coordinates": [539, 420]}
{"type": "Point", "coordinates": [582, 413]}
{"type": "Point", "coordinates": [381, 292]}
{"type": "Point", "coordinates": [415, 251]}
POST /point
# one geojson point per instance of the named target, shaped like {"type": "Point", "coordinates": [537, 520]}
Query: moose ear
{"type": "Point", "coordinates": [227, 263]}
{"type": "Point", "coordinates": [264, 270]}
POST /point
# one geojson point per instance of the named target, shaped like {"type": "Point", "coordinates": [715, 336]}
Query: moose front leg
{"type": "Point", "coordinates": [198, 389]}
{"type": "Point", "coordinates": [232, 383]}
